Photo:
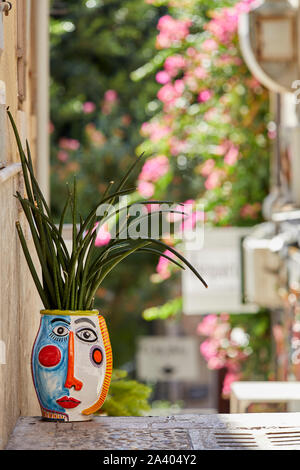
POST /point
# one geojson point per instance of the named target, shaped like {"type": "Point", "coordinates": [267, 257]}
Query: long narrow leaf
{"type": "Point", "coordinates": [33, 272]}
{"type": "Point", "coordinates": [181, 257]}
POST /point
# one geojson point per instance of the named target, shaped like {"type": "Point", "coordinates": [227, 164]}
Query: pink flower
{"type": "Point", "coordinates": [110, 99]}
{"type": "Point", "coordinates": [96, 137]}
{"type": "Point", "coordinates": [209, 45]}
{"type": "Point", "coordinates": [163, 265]}
{"type": "Point", "coordinates": [154, 168]}
{"type": "Point", "coordinates": [191, 81]}
{"type": "Point", "coordinates": [214, 179]}
{"type": "Point", "coordinates": [191, 52]}
{"type": "Point", "coordinates": [185, 209]}
{"type": "Point", "coordinates": [171, 31]}
{"type": "Point", "coordinates": [173, 64]}
{"type": "Point", "coordinates": [190, 222]}
{"type": "Point", "coordinates": [210, 114]}
{"type": "Point", "coordinates": [227, 59]}
{"type": "Point", "coordinates": [207, 167]}
{"type": "Point", "coordinates": [88, 107]}
{"type": "Point", "coordinates": [162, 77]}
{"type": "Point", "coordinates": [220, 212]}
{"type": "Point", "coordinates": [230, 377]}
{"type": "Point", "coordinates": [169, 93]}
{"type": "Point", "coordinates": [177, 146]}
{"type": "Point", "coordinates": [204, 96]}
{"type": "Point", "coordinates": [200, 72]}
{"type": "Point", "coordinates": [253, 83]}
{"type": "Point", "coordinates": [62, 155]}
{"type": "Point", "coordinates": [225, 21]}
{"type": "Point", "coordinates": [208, 325]}
{"type": "Point", "coordinates": [154, 130]}
{"type": "Point", "coordinates": [146, 189]}
{"type": "Point", "coordinates": [69, 144]}
{"type": "Point", "coordinates": [103, 235]}
{"type": "Point", "coordinates": [215, 363]}
{"type": "Point", "coordinates": [232, 155]}
{"type": "Point", "coordinates": [209, 349]}
{"type": "Point", "coordinates": [111, 96]}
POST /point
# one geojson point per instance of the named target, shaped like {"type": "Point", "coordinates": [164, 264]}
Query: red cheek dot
{"type": "Point", "coordinates": [49, 356]}
{"type": "Point", "coordinates": [97, 356]}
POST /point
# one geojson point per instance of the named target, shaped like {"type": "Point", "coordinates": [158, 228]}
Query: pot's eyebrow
{"type": "Point", "coordinates": [87, 320]}
{"type": "Point", "coordinates": [60, 319]}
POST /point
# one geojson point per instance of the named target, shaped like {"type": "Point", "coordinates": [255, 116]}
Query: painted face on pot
{"type": "Point", "coordinates": [71, 365]}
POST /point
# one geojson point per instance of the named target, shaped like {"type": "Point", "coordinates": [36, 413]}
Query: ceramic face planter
{"type": "Point", "coordinates": [71, 364]}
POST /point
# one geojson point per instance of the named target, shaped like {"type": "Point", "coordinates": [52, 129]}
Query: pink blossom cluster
{"type": "Point", "coordinates": [103, 234]}
{"type": "Point", "coordinates": [177, 145]}
{"type": "Point", "coordinates": [171, 31]}
{"type": "Point", "coordinates": [172, 66]}
{"type": "Point", "coordinates": [163, 266]}
{"type": "Point", "coordinates": [224, 23]}
{"type": "Point", "coordinates": [229, 150]}
{"type": "Point", "coordinates": [109, 101]}
{"type": "Point", "coordinates": [88, 107]}
{"type": "Point", "coordinates": [154, 130]}
{"type": "Point", "coordinates": [221, 349]}
{"type": "Point", "coordinates": [214, 175]}
{"type": "Point", "coordinates": [188, 215]}
{"type": "Point", "coordinates": [66, 145]}
{"type": "Point", "coordinates": [96, 137]}
{"type": "Point", "coordinates": [154, 169]}
{"type": "Point", "coordinates": [215, 178]}
{"type": "Point", "coordinates": [170, 92]}
{"type": "Point", "coordinates": [205, 95]}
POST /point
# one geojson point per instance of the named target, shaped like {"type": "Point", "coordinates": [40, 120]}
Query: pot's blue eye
{"type": "Point", "coordinates": [87, 334]}
{"type": "Point", "coordinates": [60, 330]}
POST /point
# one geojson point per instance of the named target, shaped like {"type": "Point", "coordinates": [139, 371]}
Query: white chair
{"type": "Point", "coordinates": [245, 393]}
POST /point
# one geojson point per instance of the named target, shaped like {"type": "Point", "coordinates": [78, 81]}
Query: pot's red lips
{"type": "Point", "coordinates": [68, 402]}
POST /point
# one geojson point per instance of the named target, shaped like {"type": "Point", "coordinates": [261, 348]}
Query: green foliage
{"type": "Point", "coordinates": [94, 50]}
{"type": "Point", "coordinates": [258, 327]}
{"type": "Point", "coordinates": [98, 53]}
{"type": "Point", "coordinates": [111, 46]}
{"type": "Point", "coordinates": [169, 309]}
{"type": "Point", "coordinates": [126, 397]}
{"type": "Point", "coordinates": [232, 118]}
{"type": "Point", "coordinates": [214, 117]}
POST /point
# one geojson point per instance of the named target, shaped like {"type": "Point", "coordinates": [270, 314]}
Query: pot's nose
{"type": "Point", "coordinates": [71, 381]}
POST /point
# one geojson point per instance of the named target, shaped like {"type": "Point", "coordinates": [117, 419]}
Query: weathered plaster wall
{"type": "Point", "coordinates": [19, 302]}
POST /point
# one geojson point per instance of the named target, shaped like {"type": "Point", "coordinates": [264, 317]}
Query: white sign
{"type": "Point", "coordinates": [219, 262]}
{"type": "Point", "coordinates": [168, 358]}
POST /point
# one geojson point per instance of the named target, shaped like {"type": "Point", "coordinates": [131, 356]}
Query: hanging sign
{"type": "Point", "coordinates": [219, 261]}
{"type": "Point", "coordinates": [168, 358]}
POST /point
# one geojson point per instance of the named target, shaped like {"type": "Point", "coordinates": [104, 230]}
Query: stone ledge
{"type": "Point", "coordinates": [179, 432]}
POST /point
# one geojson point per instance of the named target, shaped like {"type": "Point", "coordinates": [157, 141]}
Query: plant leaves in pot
{"type": "Point", "coordinates": [71, 356]}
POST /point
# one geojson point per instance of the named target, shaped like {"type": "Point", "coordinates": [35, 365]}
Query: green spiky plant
{"type": "Point", "coordinates": [71, 280]}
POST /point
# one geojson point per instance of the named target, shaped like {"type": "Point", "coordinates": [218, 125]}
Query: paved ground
{"type": "Point", "coordinates": [180, 432]}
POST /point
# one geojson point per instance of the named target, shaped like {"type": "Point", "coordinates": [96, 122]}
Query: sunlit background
{"type": "Point", "coordinates": [168, 78]}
